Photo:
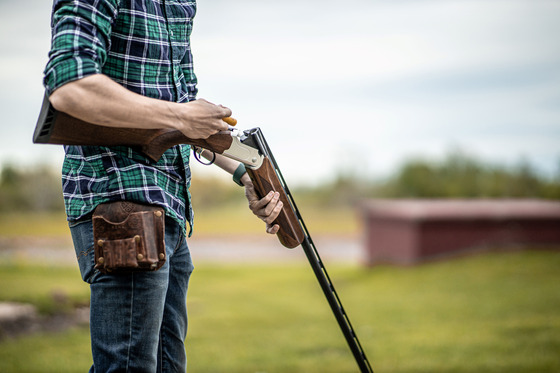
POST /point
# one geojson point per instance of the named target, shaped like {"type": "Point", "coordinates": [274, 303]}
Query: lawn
{"type": "Point", "coordinates": [496, 312]}
{"type": "Point", "coordinates": [232, 219]}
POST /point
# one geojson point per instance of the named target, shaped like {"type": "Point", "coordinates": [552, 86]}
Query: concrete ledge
{"type": "Point", "coordinates": [411, 231]}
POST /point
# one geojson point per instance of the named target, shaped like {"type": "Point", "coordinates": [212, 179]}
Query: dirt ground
{"type": "Point", "coordinates": [230, 248]}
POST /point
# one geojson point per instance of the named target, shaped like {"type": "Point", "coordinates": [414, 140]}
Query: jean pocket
{"type": "Point", "coordinates": [82, 236]}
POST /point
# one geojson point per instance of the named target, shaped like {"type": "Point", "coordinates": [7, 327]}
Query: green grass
{"type": "Point", "coordinates": [232, 219]}
{"type": "Point", "coordinates": [496, 312]}
{"type": "Point", "coordinates": [50, 289]}
{"type": "Point", "coordinates": [239, 219]}
{"type": "Point", "coordinates": [66, 352]}
{"type": "Point", "coordinates": [27, 224]}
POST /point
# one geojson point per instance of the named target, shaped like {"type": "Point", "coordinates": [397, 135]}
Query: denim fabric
{"type": "Point", "coordinates": [138, 321]}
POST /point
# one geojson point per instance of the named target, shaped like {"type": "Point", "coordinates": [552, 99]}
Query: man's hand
{"type": "Point", "coordinates": [200, 119]}
{"type": "Point", "coordinates": [267, 208]}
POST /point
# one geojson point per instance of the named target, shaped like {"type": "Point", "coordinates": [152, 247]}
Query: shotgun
{"type": "Point", "coordinates": [248, 147]}
{"type": "Point", "coordinates": [55, 127]}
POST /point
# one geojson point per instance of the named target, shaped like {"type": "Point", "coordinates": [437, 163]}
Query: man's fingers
{"type": "Point", "coordinates": [222, 126]}
{"type": "Point", "coordinates": [274, 213]}
{"type": "Point", "coordinates": [272, 229]}
{"type": "Point", "coordinates": [224, 113]}
{"type": "Point", "coordinates": [267, 208]}
{"type": "Point", "coordinates": [272, 207]}
{"type": "Point", "coordinates": [218, 112]}
{"type": "Point", "coordinates": [258, 204]}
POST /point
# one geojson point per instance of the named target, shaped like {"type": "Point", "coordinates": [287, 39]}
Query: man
{"type": "Point", "coordinates": [128, 63]}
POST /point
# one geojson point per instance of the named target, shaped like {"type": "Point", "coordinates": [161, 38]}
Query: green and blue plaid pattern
{"type": "Point", "coordinates": [144, 46]}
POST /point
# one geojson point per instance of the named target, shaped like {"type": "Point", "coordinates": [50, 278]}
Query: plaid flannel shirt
{"type": "Point", "coordinates": [144, 46]}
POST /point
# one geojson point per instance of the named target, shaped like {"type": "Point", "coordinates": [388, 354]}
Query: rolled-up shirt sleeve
{"type": "Point", "coordinates": [81, 32]}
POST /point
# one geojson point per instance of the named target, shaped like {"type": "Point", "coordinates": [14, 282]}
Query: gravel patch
{"type": "Point", "coordinates": [18, 319]}
{"type": "Point", "coordinates": [234, 248]}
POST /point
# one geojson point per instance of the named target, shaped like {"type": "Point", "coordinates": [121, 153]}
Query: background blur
{"type": "Point", "coordinates": [357, 99]}
{"type": "Point", "coordinates": [361, 85]}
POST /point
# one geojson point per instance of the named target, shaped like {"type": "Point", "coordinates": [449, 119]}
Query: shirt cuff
{"type": "Point", "coordinates": [68, 70]}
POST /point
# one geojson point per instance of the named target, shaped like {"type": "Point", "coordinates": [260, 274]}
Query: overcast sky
{"type": "Point", "coordinates": [359, 84]}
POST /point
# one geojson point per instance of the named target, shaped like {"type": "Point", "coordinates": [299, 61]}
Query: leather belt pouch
{"type": "Point", "coordinates": [128, 237]}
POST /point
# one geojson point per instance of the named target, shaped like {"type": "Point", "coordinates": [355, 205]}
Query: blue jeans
{"type": "Point", "coordinates": [138, 321]}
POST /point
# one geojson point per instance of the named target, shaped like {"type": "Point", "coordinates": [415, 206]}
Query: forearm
{"type": "Point", "coordinates": [99, 100]}
{"type": "Point", "coordinates": [226, 164]}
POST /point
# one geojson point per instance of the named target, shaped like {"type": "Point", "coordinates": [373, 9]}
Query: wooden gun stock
{"type": "Point", "coordinates": [55, 127]}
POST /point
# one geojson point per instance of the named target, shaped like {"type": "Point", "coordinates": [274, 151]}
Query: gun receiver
{"type": "Point", "coordinates": [54, 127]}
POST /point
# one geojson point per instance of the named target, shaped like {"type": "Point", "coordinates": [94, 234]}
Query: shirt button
{"type": "Point", "coordinates": [171, 32]}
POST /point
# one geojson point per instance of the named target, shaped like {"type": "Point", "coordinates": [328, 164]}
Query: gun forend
{"type": "Point", "coordinates": [265, 180]}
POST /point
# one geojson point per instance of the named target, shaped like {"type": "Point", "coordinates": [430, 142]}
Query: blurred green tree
{"type": "Point", "coordinates": [35, 188]}
{"type": "Point", "coordinates": [458, 175]}
{"type": "Point", "coordinates": [463, 176]}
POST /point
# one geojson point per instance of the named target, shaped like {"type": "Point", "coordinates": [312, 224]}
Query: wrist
{"type": "Point", "coordinates": [246, 180]}
{"type": "Point", "coordinates": [172, 115]}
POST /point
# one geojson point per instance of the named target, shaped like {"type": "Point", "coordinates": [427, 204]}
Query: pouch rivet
{"type": "Point", "coordinates": [137, 239]}
{"type": "Point", "coordinates": [100, 243]}
{"type": "Point", "coordinates": [101, 260]}
{"type": "Point", "coordinates": [140, 257]}
{"type": "Point", "coordinates": [161, 256]}
{"type": "Point", "coordinates": [158, 214]}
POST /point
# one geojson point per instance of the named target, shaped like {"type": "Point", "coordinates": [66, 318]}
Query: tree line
{"type": "Point", "coordinates": [38, 188]}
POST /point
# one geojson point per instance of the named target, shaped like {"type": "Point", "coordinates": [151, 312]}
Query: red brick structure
{"type": "Point", "coordinates": [411, 231]}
